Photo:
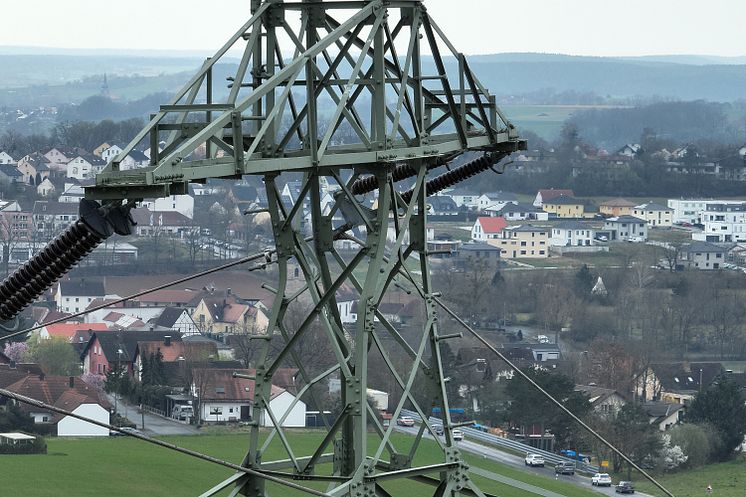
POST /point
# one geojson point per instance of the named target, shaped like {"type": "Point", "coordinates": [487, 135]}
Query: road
{"type": "Point", "coordinates": [517, 462]}
{"type": "Point", "coordinates": [154, 425]}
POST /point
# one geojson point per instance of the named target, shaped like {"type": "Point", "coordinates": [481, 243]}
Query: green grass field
{"type": "Point", "coordinates": [127, 467]}
{"type": "Point", "coordinates": [727, 480]}
{"type": "Point", "coordinates": [544, 120]}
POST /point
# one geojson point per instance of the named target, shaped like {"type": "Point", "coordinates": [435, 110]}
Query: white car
{"type": "Point", "coordinates": [534, 460]}
{"type": "Point", "coordinates": [457, 435]}
{"type": "Point", "coordinates": [405, 421]}
{"type": "Point", "coordinates": [542, 339]}
{"type": "Point", "coordinates": [601, 480]}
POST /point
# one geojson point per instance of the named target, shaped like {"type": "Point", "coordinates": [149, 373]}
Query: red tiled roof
{"type": "Point", "coordinates": [492, 224]}
{"type": "Point", "coordinates": [171, 296]}
{"type": "Point", "coordinates": [171, 353]}
{"type": "Point", "coordinates": [56, 390]}
{"type": "Point", "coordinates": [68, 330]}
{"type": "Point", "coordinates": [219, 384]}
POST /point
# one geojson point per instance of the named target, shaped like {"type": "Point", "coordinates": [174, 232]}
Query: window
{"type": "Point", "coordinates": [216, 411]}
{"type": "Point", "coordinates": [230, 410]}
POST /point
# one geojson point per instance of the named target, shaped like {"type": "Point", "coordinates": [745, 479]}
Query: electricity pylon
{"type": "Point", "coordinates": [340, 92]}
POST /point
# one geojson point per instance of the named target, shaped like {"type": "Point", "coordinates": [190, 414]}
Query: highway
{"type": "Point", "coordinates": [517, 462]}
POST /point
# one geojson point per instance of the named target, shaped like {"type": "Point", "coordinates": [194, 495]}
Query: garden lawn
{"type": "Point", "coordinates": [125, 467]}
{"type": "Point", "coordinates": [727, 479]}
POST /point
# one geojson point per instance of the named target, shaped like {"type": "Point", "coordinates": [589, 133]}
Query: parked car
{"type": "Point", "coordinates": [601, 480]}
{"type": "Point", "coordinates": [438, 429]}
{"type": "Point", "coordinates": [405, 421]}
{"type": "Point", "coordinates": [457, 435]}
{"type": "Point", "coordinates": [635, 239]}
{"type": "Point", "coordinates": [564, 468]}
{"type": "Point", "coordinates": [542, 339]}
{"type": "Point", "coordinates": [534, 460]}
{"type": "Point", "coordinates": [625, 487]}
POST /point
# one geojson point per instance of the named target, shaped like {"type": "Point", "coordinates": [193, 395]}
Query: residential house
{"type": "Point", "coordinates": [689, 210]}
{"type": "Point", "coordinates": [572, 233]}
{"type": "Point", "coordinates": [654, 214]}
{"type": "Point", "coordinates": [177, 357]}
{"type": "Point", "coordinates": [723, 222]}
{"type": "Point", "coordinates": [98, 151]}
{"type": "Point", "coordinates": [177, 318]}
{"type": "Point", "coordinates": [482, 254]}
{"type": "Point", "coordinates": [59, 157]}
{"type": "Point", "coordinates": [520, 212]}
{"type": "Point", "coordinates": [442, 205]}
{"type": "Point", "coordinates": [133, 160]}
{"type": "Point", "coordinates": [616, 207]}
{"type": "Point", "coordinates": [222, 397]}
{"type": "Point", "coordinates": [523, 241]}
{"type": "Point", "coordinates": [605, 402]}
{"type": "Point", "coordinates": [229, 315]}
{"type": "Point", "coordinates": [626, 228]}
{"type": "Point", "coordinates": [152, 223]}
{"type": "Point", "coordinates": [73, 193]}
{"type": "Point", "coordinates": [110, 152]}
{"type": "Point", "coordinates": [75, 295]}
{"type": "Point", "coordinates": [85, 166]}
{"type": "Point", "coordinates": [15, 224]}
{"type": "Point", "coordinates": [550, 194]}
{"type": "Point", "coordinates": [5, 158]}
{"type": "Point", "coordinates": [69, 393]}
{"type": "Point", "coordinates": [664, 415]}
{"type": "Point", "coordinates": [107, 350]}
{"type": "Point", "coordinates": [675, 382]}
{"type": "Point", "coordinates": [9, 174]}
{"type": "Point", "coordinates": [52, 217]}
{"type": "Point", "coordinates": [45, 188]}
{"type": "Point", "coordinates": [537, 352]}
{"type": "Point", "coordinates": [486, 228]}
{"type": "Point", "coordinates": [629, 150]}
{"type": "Point", "coordinates": [187, 298]}
{"type": "Point", "coordinates": [496, 200]}
{"type": "Point", "coordinates": [183, 204]}
{"type": "Point", "coordinates": [704, 255]}
{"type": "Point", "coordinates": [465, 198]}
{"type": "Point", "coordinates": [564, 207]}
{"type": "Point", "coordinates": [34, 167]}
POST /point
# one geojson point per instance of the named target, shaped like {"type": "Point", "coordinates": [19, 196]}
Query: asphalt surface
{"type": "Point", "coordinates": [517, 462]}
{"type": "Point", "coordinates": [154, 425]}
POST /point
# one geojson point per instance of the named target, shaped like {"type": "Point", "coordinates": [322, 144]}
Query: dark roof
{"type": "Point", "coordinates": [10, 170]}
{"type": "Point", "coordinates": [126, 340]}
{"type": "Point", "coordinates": [502, 196]}
{"type": "Point", "coordinates": [222, 386]}
{"type": "Point", "coordinates": [82, 287]}
{"type": "Point", "coordinates": [698, 246]}
{"type": "Point", "coordinates": [244, 193]}
{"type": "Point", "coordinates": [442, 203]}
{"type": "Point", "coordinates": [528, 228]}
{"type": "Point", "coordinates": [563, 200]}
{"type": "Point", "coordinates": [478, 247]}
{"type": "Point", "coordinates": [169, 316]}
{"type": "Point", "coordinates": [142, 217]}
{"type": "Point", "coordinates": [652, 206]}
{"type": "Point", "coordinates": [138, 156]}
{"type": "Point", "coordinates": [56, 390]}
{"type": "Point", "coordinates": [595, 393]}
{"type": "Point", "coordinates": [618, 202]}
{"type": "Point", "coordinates": [519, 207]}
{"type": "Point", "coordinates": [45, 207]}
{"type": "Point", "coordinates": [572, 225]}
{"type": "Point", "coordinates": [93, 160]}
{"type": "Point", "coordinates": [685, 376]}
{"type": "Point", "coordinates": [659, 409]}
{"type": "Point", "coordinates": [625, 219]}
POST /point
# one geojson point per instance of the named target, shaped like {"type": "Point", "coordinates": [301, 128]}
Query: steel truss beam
{"type": "Point", "coordinates": [353, 90]}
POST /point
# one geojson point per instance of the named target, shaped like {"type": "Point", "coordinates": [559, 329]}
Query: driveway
{"type": "Point", "coordinates": [154, 424]}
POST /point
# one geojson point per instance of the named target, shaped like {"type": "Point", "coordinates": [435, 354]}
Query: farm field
{"type": "Point", "coordinates": [123, 467]}
{"type": "Point", "coordinates": [544, 120]}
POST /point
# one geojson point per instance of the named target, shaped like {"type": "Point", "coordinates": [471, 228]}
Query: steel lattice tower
{"type": "Point", "coordinates": [354, 104]}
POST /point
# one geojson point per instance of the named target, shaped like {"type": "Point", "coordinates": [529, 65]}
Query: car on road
{"type": "Point", "coordinates": [635, 239]}
{"type": "Point", "coordinates": [564, 468]}
{"type": "Point", "coordinates": [534, 460]}
{"type": "Point", "coordinates": [438, 430]}
{"type": "Point", "coordinates": [625, 487]}
{"type": "Point", "coordinates": [457, 435]}
{"type": "Point", "coordinates": [601, 480]}
{"type": "Point", "coordinates": [405, 421]}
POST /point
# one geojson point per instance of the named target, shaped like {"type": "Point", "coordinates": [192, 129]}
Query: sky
{"type": "Point", "coordinates": [576, 27]}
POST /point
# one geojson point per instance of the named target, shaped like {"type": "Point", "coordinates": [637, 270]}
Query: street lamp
{"type": "Point", "coordinates": [119, 378]}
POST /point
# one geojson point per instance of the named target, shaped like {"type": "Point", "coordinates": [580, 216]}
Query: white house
{"type": "Point", "coordinates": [656, 215]}
{"type": "Point", "coordinates": [465, 198]}
{"type": "Point", "coordinates": [183, 204]}
{"type": "Point", "coordinates": [133, 160]}
{"type": "Point", "coordinates": [69, 426]}
{"type": "Point", "coordinates": [496, 200]}
{"type": "Point", "coordinates": [723, 223]}
{"type": "Point", "coordinates": [84, 166]}
{"type": "Point", "coordinates": [486, 228]}
{"type": "Point", "coordinates": [73, 194]}
{"type": "Point", "coordinates": [5, 158]}
{"type": "Point", "coordinates": [627, 228]}
{"type": "Point", "coordinates": [572, 233]}
{"type": "Point", "coordinates": [177, 318]}
{"type": "Point", "coordinates": [45, 188]}
{"type": "Point", "coordinates": [224, 398]}
{"type": "Point", "coordinates": [112, 151]}
{"type": "Point", "coordinates": [74, 295]}
{"type": "Point", "coordinates": [520, 212]}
